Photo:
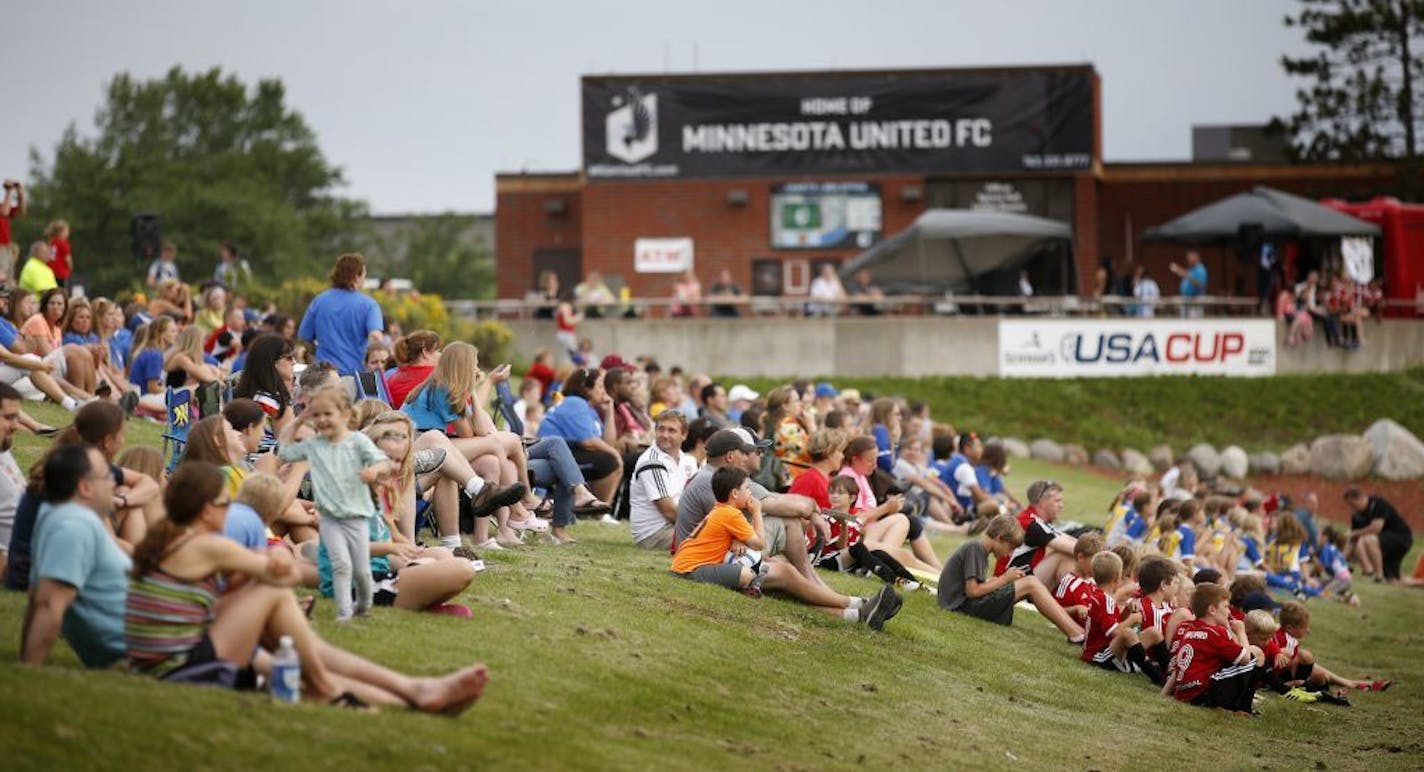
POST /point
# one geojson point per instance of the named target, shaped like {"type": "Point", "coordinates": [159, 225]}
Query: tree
{"type": "Point", "coordinates": [217, 160]}
{"type": "Point", "coordinates": [439, 254]}
{"type": "Point", "coordinates": [1360, 103]}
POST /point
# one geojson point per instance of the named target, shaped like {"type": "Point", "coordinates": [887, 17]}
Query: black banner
{"type": "Point", "coordinates": [781, 125]}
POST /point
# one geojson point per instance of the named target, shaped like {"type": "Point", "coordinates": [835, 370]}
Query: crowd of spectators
{"type": "Point", "coordinates": [374, 467]}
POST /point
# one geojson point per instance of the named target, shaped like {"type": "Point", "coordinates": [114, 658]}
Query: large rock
{"type": "Point", "coordinates": [1341, 457]}
{"type": "Point", "coordinates": [1234, 463]}
{"type": "Point", "coordinates": [1135, 463]}
{"type": "Point", "coordinates": [1015, 447]}
{"type": "Point", "coordinates": [1046, 450]}
{"type": "Point", "coordinates": [1077, 455]}
{"type": "Point", "coordinates": [1106, 459]}
{"type": "Point", "coordinates": [1296, 460]}
{"type": "Point", "coordinates": [1161, 457]}
{"type": "Point", "coordinates": [1397, 454]}
{"type": "Point", "coordinates": [1207, 460]}
{"type": "Point", "coordinates": [1264, 463]}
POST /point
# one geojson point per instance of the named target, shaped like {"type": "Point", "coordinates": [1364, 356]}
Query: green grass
{"type": "Point", "coordinates": [1255, 413]}
{"type": "Point", "coordinates": [600, 659]}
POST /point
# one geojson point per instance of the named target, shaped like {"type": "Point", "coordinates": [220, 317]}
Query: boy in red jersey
{"type": "Point", "coordinates": [1155, 581]}
{"type": "Point", "coordinates": [1296, 665]}
{"type": "Point", "coordinates": [1212, 666]}
{"type": "Point", "coordinates": [1109, 641]}
{"type": "Point", "coordinates": [1073, 589]}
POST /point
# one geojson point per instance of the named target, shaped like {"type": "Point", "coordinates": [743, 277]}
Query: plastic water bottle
{"type": "Point", "coordinates": [286, 684]}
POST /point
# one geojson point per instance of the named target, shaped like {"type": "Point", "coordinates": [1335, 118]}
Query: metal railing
{"type": "Point", "coordinates": [891, 305]}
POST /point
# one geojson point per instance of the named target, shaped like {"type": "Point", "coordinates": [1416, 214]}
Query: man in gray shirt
{"type": "Point", "coordinates": [783, 512]}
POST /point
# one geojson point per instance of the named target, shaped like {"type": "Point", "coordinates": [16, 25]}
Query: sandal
{"type": "Point", "coordinates": [349, 700]}
{"type": "Point", "coordinates": [530, 523]}
{"type": "Point", "coordinates": [46, 431]}
{"type": "Point", "coordinates": [594, 507]}
{"type": "Point", "coordinates": [307, 604]}
{"type": "Point", "coordinates": [544, 509]}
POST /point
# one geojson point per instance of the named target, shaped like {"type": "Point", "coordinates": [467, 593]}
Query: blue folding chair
{"type": "Point", "coordinates": [177, 423]}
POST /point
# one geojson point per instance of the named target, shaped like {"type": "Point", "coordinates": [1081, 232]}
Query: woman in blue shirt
{"type": "Point", "coordinates": [584, 419]}
{"type": "Point", "coordinates": [451, 400]}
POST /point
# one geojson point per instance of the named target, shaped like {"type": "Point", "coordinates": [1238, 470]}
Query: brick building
{"type": "Point", "coordinates": [732, 193]}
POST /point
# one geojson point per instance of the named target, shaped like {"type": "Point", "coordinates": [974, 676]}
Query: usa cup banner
{"type": "Point", "coordinates": [1098, 348]}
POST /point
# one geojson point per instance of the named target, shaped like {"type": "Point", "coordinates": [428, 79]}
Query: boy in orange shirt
{"type": "Point", "coordinates": [722, 550]}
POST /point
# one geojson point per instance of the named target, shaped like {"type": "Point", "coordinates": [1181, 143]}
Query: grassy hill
{"type": "Point", "coordinates": [1255, 413]}
{"type": "Point", "coordinates": [600, 659]}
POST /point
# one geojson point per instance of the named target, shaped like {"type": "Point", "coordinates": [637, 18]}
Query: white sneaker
{"type": "Point", "coordinates": [608, 519]}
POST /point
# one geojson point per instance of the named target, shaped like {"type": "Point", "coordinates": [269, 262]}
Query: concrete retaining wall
{"type": "Point", "coordinates": [900, 346]}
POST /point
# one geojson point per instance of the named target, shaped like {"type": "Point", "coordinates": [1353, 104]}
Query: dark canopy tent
{"type": "Point", "coordinates": [964, 251]}
{"type": "Point", "coordinates": [1262, 213]}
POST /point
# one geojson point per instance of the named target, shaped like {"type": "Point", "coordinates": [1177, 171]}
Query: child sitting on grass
{"type": "Point", "coordinates": [1073, 589]}
{"type": "Point", "coordinates": [1211, 665]}
{"type": "Point", "coordinates": [1296, 665]}
{"type": "Point", "coordinates": [848, 550]}
{"type": "Point", "coordinates": [1282, 558]}
{"type": "Point", "coordinates": [721, 551]}
{"type": "Point", "coordinates": [1109, 641]}
{"type": "Point", "coordinates": [1334, 569]}
{"type": "Point", "coordinates": [964, 584]}
{"type": "Point", "coordinates": [1155, 586]}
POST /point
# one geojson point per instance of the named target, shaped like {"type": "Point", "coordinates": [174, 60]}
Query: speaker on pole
{"type": "Point", "coordinates": [146, 231]}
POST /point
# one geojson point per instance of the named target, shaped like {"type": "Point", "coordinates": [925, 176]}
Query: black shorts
{"type": "Point", "coordinates": [385, 591]}
{"type": "Point", "coordinates": [996, 607]}
{"type": "Point", "coordinates": [1231, 688]}
{"type": "Point", "coordinates": [203, 668]}
{"type": "Point", "coordinates": [595, 464]}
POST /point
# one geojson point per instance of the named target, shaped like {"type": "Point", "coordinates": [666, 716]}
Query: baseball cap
{"type": "Point", "coordinates": [614, 362]}
{"type": "Point", "coordinates": [742, 392]}
{"type": "Point", "coordinates": [851, 395]}
{"type": "Point", "coordinates": [725, 441]}
{"type": "Point", "coordinates": [1259, 600]}
{"type": "Point", "coordinates": [747, 436]}
{"type": "Point", "coordinates": [825, 389]}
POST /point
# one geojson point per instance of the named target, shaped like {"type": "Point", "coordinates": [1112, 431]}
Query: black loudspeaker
{"type": "Point", "coordinates": [146, 231]}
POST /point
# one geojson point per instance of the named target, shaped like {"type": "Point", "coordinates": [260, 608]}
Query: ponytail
{"type": "Point", "coordinates": [193, 485]}
{"type": "Point", "coordinates": [149, 552]}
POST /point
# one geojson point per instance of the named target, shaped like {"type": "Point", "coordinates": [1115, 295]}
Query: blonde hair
{"type": "Point", "coordinates": [143, 459]}
{"type": "Point", "coordinates": [263, 492]}
{"type": "Point", "coordinates": [1107, 568]}
{"type": "Point", "coordinates": [365, 411]}
{"type": "Point", "coordinates": [378, 428]}
{"type": "Point", "coordinates": [1260, 623]}
{"type": "Point", "coordinates": [189, 342]}
{"type": "Point", "coordinates": [102, 308]}
{"type": "Point", "coordinates": [458, 373]}
{"type": "Point", "coordinates": [55, 228]}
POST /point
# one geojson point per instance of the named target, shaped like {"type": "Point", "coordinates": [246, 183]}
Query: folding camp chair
{"type": "Point", "coordinates": [179, 417]}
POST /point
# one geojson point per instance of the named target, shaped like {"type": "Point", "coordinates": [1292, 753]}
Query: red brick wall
{"type": "Point", "coordinates": [523, 224]}
{"type": "Point", "coordinates": [724, 235]}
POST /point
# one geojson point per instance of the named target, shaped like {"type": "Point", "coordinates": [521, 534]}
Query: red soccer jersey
{"type": "Point", "coordinates": [404, 380]}
{"type": "Point", "coordinates": [1103, 618]}
{"type": "Point", "coordinates": [1236, 613]}
{"type": "Point", "coordinates": [1073, 590]}
{"type": "Point", "coordinates": [1199, 651]}
{"type": "Point", "coordinates": [1154, 615]}
{"type": "Point", "coordinates": [1286, 644]}
{"type": "Point", "coordinates": [59, 260]}
{"type": "Point", "coordinates": [1037, 534]}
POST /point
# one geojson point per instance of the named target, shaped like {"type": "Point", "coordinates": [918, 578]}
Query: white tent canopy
{"type": "Point", "coordinates": [947, 249]}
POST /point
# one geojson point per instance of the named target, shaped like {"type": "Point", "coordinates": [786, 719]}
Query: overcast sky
{"type": "Point", "coordinates": [421, 103]}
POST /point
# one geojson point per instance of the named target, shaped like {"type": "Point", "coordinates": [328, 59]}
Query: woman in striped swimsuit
{"type": "Point", "coordinates": [181, 625]}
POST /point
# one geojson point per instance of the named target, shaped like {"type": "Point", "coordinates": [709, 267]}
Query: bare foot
{"type": "Point", "coordinates": [452, 694]}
